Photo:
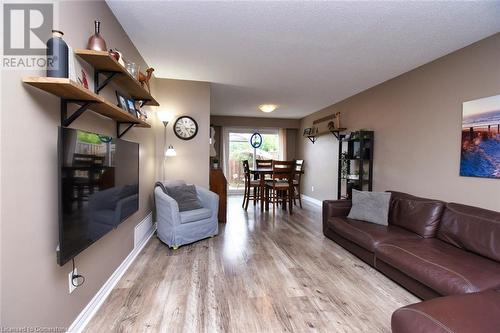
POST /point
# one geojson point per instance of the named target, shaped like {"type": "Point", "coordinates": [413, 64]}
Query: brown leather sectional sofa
{"type": "Point", "coordinates": [433, 249]}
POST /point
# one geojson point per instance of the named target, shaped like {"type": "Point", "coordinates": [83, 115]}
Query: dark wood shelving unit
{"type": "Point", "coordinates": [358, 146]}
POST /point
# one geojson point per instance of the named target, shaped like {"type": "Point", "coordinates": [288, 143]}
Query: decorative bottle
{"type": "Point", "coordinates": [57, 55]}
{"type": "Point", "coordinates": [96, 42]}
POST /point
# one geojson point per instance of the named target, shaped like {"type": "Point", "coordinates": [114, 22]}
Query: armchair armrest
{"type": "Point", "coordinates": [167, 209]}
{"type": "Point", "coordinates": [208, 199]}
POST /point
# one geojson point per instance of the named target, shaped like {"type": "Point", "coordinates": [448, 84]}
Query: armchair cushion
{"type": "Point", "coordinates": [186, 197]}
{"type": "Point", "coordinates": [195, 215]}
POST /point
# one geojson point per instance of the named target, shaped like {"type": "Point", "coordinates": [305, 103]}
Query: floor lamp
{"type": "Point", "coordinates": [165, 117]}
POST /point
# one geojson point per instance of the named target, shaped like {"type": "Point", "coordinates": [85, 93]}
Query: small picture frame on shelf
{"type": "Point", "coordinates": [122, 101]}
{"type": "Point", "coordinates": [131, 107]}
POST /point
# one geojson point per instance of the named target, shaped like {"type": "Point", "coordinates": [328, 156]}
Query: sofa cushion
{"type": "Point", "coordinates": [195, 215]}
{"type": "Point", "coordinates": [476, 312]}
{"type": "Point", "coordinates": [471, 228]}
{"type": "Point", "coordinates": [420, 215]}
{"type": "Point", "coordinates": [370, 206]}
{"type": "Point", "coordinates": [365, 234]}
{"type": "Point", "coordinates": [442, 267]}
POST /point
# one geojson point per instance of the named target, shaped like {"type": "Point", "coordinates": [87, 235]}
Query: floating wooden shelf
{"type": "Point", "coordinates": [104, 63]}
{"type": "Point", "coordinates": [72, 92]}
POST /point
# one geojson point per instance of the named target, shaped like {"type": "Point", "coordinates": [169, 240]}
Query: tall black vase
{"type": "Point", "coordinates": [57, 55]}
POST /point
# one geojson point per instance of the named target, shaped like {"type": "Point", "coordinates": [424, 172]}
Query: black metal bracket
{"type": "Point", "coordinates": [336, 134]}
{"type": "Point", "coordinates": [65, 120]}
{"type": "Point", "coordinates": [312, 138]}
{"type": "Point", "coordinates": [119, 133]}
{"type": "Point", "coordinates": [98, 86]}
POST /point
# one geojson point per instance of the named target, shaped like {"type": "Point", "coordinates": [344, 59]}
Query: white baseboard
{"type": "Point", "coordinates": [142, 233]}
{"type": "Point", "coordinates": [312, 200]}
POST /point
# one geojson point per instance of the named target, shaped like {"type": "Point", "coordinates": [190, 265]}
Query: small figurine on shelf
{"type": "Point", "coordinates": [144, 78]}
{"type": "Point", "coordinates": [114, 54]}
{"type": "Point", "coordinates": [96, 42]}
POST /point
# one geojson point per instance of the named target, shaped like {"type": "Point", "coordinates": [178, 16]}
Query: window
{"type": "Point", "coordinates": [238, 149]}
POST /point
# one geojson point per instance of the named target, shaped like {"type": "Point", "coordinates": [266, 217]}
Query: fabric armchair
{"type": "Point", "coordinates": [177, 228]}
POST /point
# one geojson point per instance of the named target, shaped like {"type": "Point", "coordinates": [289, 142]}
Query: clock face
{"type": "Point", "coordinates": [185, 128]}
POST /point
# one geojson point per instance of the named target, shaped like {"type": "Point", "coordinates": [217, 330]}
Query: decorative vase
{"type": "Point", "coordinates": [57, 55]}
{"type": "Point", "coordinates": [96, 42]}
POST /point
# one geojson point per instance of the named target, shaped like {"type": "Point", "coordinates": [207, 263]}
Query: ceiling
{"type": "Point", "coordinates": [302, 56]}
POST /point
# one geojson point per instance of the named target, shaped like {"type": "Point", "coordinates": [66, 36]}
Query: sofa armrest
{"type": "Point", "coordinates": [474, 313]}
{"type": "Point", "coordinates": [335, 208]}
{"type": "Point", "coordinates": [167, 209]}
{"type": "Point", "coordinates": [208, 199]}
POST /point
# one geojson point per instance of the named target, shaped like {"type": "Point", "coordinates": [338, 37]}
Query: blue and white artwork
{"type": "Point", "coordinates": [480, 154]}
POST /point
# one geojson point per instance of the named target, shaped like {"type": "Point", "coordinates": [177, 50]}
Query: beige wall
{"type": "Point", "coordinates": [417, 122]}
{"type": "Point", "coordinates": [34, 288]}
{"type": "Point", "coordinates": [184, 98]}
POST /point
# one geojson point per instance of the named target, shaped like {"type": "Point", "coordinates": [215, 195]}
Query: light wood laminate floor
{"type": "Point", "coordinates": [261, 274]}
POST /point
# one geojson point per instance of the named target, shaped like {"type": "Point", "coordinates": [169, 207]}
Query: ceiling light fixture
{"type": "Point", "coordinates": [268, 107]}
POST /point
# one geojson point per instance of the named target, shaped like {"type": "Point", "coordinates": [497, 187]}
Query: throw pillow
{"type": "Point", "coordinates": [186, 197]}
{"type": "Point", "coordinates": [370, 206]}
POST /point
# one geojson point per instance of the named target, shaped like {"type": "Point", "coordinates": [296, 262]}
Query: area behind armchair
{"type": "Point", "coordinates": [177, 228]}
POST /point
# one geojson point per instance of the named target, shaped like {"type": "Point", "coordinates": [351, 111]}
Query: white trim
{"type": "Point", "coordinates": [312, 200]}
{"type": "Point", "coordinates": [95, 303]}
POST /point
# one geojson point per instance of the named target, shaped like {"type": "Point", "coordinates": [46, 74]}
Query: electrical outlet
{"type": "Point", "coordinates": [312, 188]}
{"type": "Point", "coordinates": [70, 279]}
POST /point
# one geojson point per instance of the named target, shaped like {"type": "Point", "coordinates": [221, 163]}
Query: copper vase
{"type": "Point", "coordinates": [96, 42]}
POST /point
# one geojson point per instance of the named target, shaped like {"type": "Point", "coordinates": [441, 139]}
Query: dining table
{"type": "Point", "coordinates": [261, 173]}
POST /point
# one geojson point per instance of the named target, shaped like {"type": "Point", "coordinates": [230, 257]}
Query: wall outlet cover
{"type": "Point", "coordinates": [312, 188]}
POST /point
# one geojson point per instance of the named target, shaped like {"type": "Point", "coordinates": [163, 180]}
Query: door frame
{"type": "Point", "coordinates": [225, 148]}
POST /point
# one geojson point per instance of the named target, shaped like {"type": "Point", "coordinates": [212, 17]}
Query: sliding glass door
{"type": "Point", "coordinates": [237, 148]}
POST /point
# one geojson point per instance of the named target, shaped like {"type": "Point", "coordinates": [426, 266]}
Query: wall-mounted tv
{"type": "Point", "coordinates": [98, 188]}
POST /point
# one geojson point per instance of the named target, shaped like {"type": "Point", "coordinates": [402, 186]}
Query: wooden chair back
{"type": "Point", "coordinates": [283, 170]}
{"type": "Point", "coordinates": [299, 169]}
{"type": "Point", "coordinates": [264, 163]}
{"type": "Point", "coordinates": [246, 170]}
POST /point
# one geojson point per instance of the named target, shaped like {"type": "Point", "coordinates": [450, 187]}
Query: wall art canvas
{"type": "Point", "coordinates": [480, 154]}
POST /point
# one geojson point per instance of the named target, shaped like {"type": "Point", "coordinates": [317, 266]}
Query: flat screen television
{"type": "Point", "coordinates": [98, 188]}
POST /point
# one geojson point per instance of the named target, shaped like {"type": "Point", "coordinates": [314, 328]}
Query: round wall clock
{"type": "Point", "coordinates": [185, 128]}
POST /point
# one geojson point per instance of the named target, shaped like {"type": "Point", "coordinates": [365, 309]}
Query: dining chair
{"type": "Point", "coordinates": [299, 170]}
{"type": "Point", "coordinates": [264, 164]}
{"type": "Point", "coordinates": [250, 184]}
{"type": "Point", "coordinates": [280, 188]}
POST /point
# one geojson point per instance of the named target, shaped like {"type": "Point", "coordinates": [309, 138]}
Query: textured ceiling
{"type": "Point", "coordinates": [302, 56]}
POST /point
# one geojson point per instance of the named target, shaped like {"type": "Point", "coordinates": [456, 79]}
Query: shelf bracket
{"type": "Point", "coordinates": [122, 133]}
{"type": "Point", "coordinates": [336, 134]}
{"type": "Point", "coordinates": [65, 120]}
{"type": "Point", "coordinates": [312, 138]}
{"type": "Point", "coordinates": [109, 76]}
